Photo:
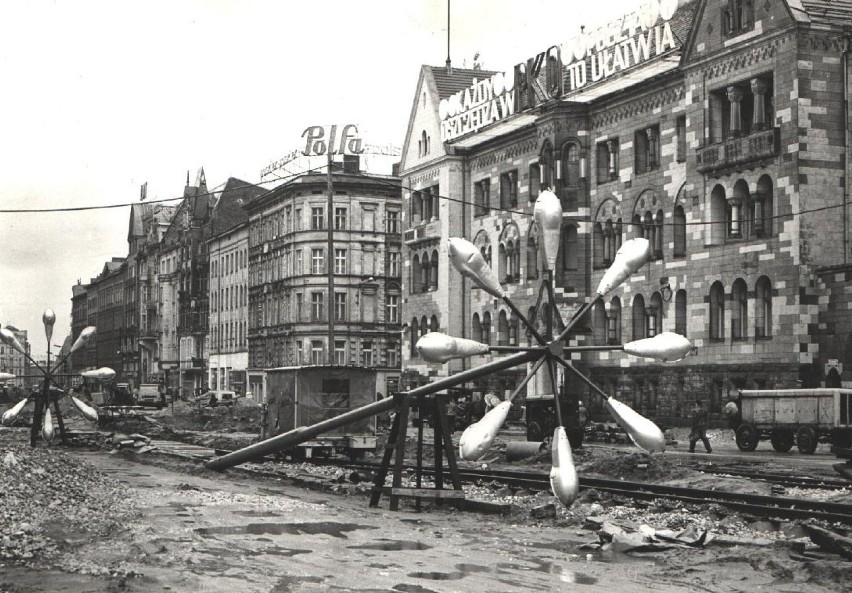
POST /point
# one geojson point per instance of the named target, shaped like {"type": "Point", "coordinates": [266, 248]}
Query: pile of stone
{"type": "Point", "coordinates": [45, 491]}
{"type": "Point", "coordinates": [137, 443]}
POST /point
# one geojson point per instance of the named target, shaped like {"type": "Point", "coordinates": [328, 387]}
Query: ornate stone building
{"type": "Point", "coordinates": [716, 129]}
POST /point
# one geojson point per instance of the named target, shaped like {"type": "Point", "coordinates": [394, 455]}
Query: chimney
{"type": "Point", "coordinates": [351, 163]}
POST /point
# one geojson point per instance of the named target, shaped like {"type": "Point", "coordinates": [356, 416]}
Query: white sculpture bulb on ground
{"type": "Point", "coordinates": [467, 259]}
{"type": "Point", "coordinates": [86, 410]}
{"type": "Point", "coordinates": [477, 438]}
{"type": "Point", "coordinates": [10, 415]}
{"type": "Point", "coordinates": [440, 348]}
{"type": "Point", "coordinates": [564, 481]}
{"type": "Point", "coordinates": [665, 346]}
{"type": "Point", "coordinates": [631, 256]}
{"type": "Point", "coordinates": [548, 216]}
{"type": "Point", "coordinates": [47, 431]}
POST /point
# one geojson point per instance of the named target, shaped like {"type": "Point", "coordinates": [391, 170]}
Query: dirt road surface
{"type": "Point", "coordinates": [199, 531]}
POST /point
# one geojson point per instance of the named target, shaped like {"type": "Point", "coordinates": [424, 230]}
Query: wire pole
{"type": "Point", "coordinates": [330, 260]}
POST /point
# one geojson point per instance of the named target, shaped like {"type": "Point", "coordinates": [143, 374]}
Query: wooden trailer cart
{"type": "Point", "coordinates": [805, 417]}
{"type": "Point", "coordinates": [306, 395]}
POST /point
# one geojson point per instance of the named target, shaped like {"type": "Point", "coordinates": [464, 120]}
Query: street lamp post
{"type": "Point", "coordinates": [43, 397]}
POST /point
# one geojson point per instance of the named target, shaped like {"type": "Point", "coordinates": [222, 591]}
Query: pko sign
{"type": "Point", "coordinates": [318, 143]}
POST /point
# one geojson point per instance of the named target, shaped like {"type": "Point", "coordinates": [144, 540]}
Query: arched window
{"type": "Point", "coordinates": [679, 231]}
{"type": "Point", "coordinates": [570, 164]}
{"type": "Point", "coordinates": [639, 322]}
{"type": "Point", "coordinates": [424, 143]}
{"type": "Point", "coordinates": [718, 215]}
{"type": "Point", "coordinates": [763, 208]}
{"type": "Point", "coordinates": [655, 315]}
{"type": "Point", "coordinates": [569, 247]}
{"type": "Point", "coordinates": [546, 166]}
{"type": "Point", "coordinates": [433, 324]}
{"type": "Point", "coordinates": [763, 308]}
{"type": "Point", "coordinates": [425, 271]}
{"type": "Point", "coordinates": [613, 333]}
{"type": "Point", "coordinates": [717, 311]}
{"type": "Point", "coordinates": [636, 227]}
{"type": "Point", "coordinates": [738, 208]}
{"type": "Point", "coordinates": [739, 309]}
{"type": "Point", "coordinates": [424, 326]}
{"type": "Point", "coordinates": [415, 335]}
{"type": "Point", "coordinates": [513, 329]}
{"type": "Point", "coordinates": [599, 322]}
{"type": "Point", "coordinates": [680, 312]}
{"type": "Point", "coordinates": [530, 338]}
{"type": "Point", "coordinates": [599, 246]}
{"type": "Point", "coordinates": [476, 329]}
{"type": "Point", "coordinates": [502, 263]}
{"type": "Point", "coordinates": [502, 329]}
{"type": "Point", "coordinates": [658, 234]}
{"type": "Point", "coordinates": [516, 253]}
{"type": "Point", "coordinates": [433, 274]}
{"type": "Point", "coordinates": [532, 257]}
{"type": "Point", "coordinates": [416, 276]}
{"type": "Point", "coordinates": [416, 207]}
{"type": "Point", "coordinates": [486, 328]}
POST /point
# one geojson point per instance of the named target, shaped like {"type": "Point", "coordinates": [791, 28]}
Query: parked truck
{"type": "Point", "coordinates": [804, 417]}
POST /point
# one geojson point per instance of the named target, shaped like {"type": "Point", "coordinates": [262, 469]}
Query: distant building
{"type": "Point", "coordinates": [12, 361]}
{"type": "Point", "coordinates": [289, 259]}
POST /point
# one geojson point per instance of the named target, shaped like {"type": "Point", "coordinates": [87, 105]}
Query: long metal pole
{"type": "Point", "coordinates": [306, 433]}
{"type": "Point", "coordinates": [330, 259]}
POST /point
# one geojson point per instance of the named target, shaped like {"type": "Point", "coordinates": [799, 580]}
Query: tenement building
{"type": "Point", "coordinates": [288, 284]}
{"type": "Point", "coordinates": [716, 129]}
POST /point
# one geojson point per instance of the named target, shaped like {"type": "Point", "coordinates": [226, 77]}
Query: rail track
{"type": "Point", "coordinates": [754, 504]}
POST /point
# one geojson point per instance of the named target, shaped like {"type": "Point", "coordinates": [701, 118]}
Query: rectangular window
{"type": "Point", "coordinates": [340, 219]}
{"type": "Point", "coordinates": [288, 219]}
{"type": "Point", "coordinates": [481, 197]}
{"type": "Point", "coordinates": [317, 218]}
{"type": "Point", "coordinates": [298, 269]}
{"type": "Point", "coordinates": [340, 261]}
{"type": "Point", "coordinates": [367, 353]}
{"type": "Point", "coordinates": [509, 189]}
{"type": "Point", "coordinates": [368, 308]}
{"type": "Point", "coordinates": [297, 219]}
{"type": "Point", "coordinates": [646, 149]}
{"type": "Point", "coordinates": [316, 352]}
{"type": "Point", "coordinates": [340, 352]}
{"type": "Point", "coordinates": [680, 129]}
{"type": "Point", "coordinates": [737, 17]}
{"type": "Point", "coordinates": [317, 306]}
{"type": "Point", "coordinates": [393, 222]}
{"type": "Point", "coordinates": [393, 264]}
{"type": "Point", "coordinates": [317, 261]}
{"type": "Point", "coordinates": [300, 301]}
{"type": "Point", "coordinates": [393, 354]}
{"type": "Point", "coordinates": [368, 219]}
{"type": "Point", "coordinates": [392, 308]}
{"type": "Point", "coordinates": [607, 161]}
{"type": "Point", "coordinates": [535, 182]}
{"type": "Point", "coordinates": [368, 262]}
{"type": "Point", "coordinates": [340, 306]}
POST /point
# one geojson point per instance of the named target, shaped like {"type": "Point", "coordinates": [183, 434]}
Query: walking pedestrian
{"type": "Point", "coordinates": [699, 427]}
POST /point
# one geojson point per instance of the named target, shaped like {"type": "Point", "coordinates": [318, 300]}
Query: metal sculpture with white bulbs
{"type": "Point", "coordinates": [548, 353]}
{"type": "Point", "coordinates": [42, 417]}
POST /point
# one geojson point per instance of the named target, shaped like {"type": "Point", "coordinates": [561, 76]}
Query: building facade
{"type": "Point", "coordinates": [229, 263]}
{"type": "Point", "coordinates": [716, 129]}
{"type": "Point", "coordinates": [14, 362]}
{"type": "Point", "coordinates": [288, 286]}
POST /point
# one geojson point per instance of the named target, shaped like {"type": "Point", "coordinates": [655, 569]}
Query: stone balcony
{"type": "Point", "coordinates": [740, 152]}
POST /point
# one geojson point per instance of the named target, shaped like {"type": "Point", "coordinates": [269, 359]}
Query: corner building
{"type": "Point", "coordinates": [288, 265]}
{"type": "Point", "coordinates": [716, 129]}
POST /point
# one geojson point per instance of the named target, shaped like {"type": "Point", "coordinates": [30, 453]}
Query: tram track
{"type": "Point", "coordinates": [754, 504]}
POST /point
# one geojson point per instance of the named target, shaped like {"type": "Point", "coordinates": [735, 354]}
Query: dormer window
{"type": "Point", "coordinates": [737, 17]}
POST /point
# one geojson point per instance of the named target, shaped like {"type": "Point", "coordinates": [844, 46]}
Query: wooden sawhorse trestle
{"type": "Point", "coordinates": [426, 406]}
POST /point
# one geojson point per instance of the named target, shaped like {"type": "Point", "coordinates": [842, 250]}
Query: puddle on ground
{"type": "Point", "coordinates": [438, 576]}
{"type": "Point", "coordinates": [407, 588]}
{"type": "Point", "coordinates": [286, 552]}
{"type": "Point", "coordinates": [392, 545]}
{"type": "Point", "coordinates": [257, 513]}
{"type": "Point", "coordinates": [415, 521]}
{"type": "Point", "coordinates": [286, 583]}
{"type": "Point", "coordinates": [321, 528]}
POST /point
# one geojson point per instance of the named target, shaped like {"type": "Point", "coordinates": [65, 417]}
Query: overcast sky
{"type": "Point", "coordinates": [99, 97]}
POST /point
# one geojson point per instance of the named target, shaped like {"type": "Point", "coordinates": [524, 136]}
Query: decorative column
{"type": "Point", "coordinates": [651, 135]}
{"type": "Point", "coordinates": [758, 89]}
{"type": "Point", "coordinates": [611, 147]}
{"type": "Point", "coordinates": [734, 203]}
{"type": "Point", "coordinates": [735, 95]}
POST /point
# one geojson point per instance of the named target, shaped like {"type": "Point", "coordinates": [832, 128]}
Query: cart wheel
{"type": "Point", "coordinates": [782, 440]}
{"type": "Point", "coordinates": [747, 437]}
{"type": "Point", "coordinates": [806, 440]}
{"type": "Point", "coordinates": [534, 433]}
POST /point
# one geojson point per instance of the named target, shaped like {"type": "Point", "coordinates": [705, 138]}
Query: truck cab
{"type": "Point", "coordinates": [150, 395]}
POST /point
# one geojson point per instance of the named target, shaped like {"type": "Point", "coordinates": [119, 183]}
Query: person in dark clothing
{"type": "Point", "coordinates": [699, 427]}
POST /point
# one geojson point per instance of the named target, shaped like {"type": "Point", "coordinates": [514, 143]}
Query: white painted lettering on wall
{"type": "Point", "coordinates": [484, 102]}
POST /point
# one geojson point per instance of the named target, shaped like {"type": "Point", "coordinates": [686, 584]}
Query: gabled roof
{"type": "Point", "coordinates": [456, 80]}
{"type": "Point", "coordinates": [228, 212]}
